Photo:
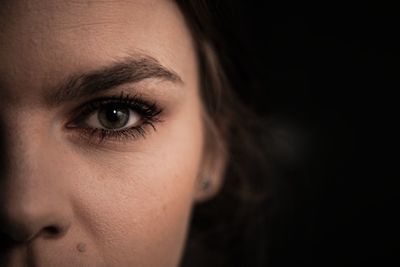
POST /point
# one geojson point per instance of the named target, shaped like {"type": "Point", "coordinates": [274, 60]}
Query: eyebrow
{"type": "Point", "coordinates": [130, 70]}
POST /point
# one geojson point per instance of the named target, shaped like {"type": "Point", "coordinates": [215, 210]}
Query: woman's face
{"type": "Point", "coordinates": [101, 132]}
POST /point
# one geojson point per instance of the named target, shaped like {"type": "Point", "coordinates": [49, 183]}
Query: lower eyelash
{"type": "Point", "coordinates": [98, 136]}
{"type": "Point", "coordinates": [149, 112]}
{"type": "Point", "coordinates": [119, 135]}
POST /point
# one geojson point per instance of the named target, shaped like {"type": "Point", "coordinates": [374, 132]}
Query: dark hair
{"type": "Point", "coordinates": [228, 230]}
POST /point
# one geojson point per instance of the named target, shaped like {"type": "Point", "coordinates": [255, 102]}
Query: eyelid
{"type": "Point", "coordinates": [150, 113]}
{"type": "Point", "coordinates": [135, 100]}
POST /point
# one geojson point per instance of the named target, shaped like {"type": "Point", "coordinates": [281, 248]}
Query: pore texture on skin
{"type": "Point", "coordinates": [81, 195]}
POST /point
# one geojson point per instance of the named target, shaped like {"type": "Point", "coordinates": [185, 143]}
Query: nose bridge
{"type": "Point", "coordinates": [32, 192]}
{"type": "Point", "coordinates": [22, 132]}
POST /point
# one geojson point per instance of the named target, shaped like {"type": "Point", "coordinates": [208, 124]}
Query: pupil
{"type": "Point", "coordinates": [113, 117]}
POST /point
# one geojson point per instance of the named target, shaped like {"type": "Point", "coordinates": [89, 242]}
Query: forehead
{"type": "Point", "coordinates": [61, 14]}
{"type": "Point", "coordinates": [56, 22]}
{"type": "Point", "coordinates": [41, 40]}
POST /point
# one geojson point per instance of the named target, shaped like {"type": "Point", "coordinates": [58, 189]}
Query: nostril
{"type": "Point", "coordinates": [52, 231]}
{"type": "Point", "coordinates": [6, 241]}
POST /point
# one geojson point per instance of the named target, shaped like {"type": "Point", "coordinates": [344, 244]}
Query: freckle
{"type": "Point", "coordinates": [81, 247]}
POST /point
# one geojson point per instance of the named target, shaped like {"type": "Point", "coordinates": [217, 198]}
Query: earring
{"type": "Point", "coordinates": [205, 183]}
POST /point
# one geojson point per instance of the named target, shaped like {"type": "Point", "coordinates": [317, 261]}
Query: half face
{"type": "Point", "coordinates": [101, 131]}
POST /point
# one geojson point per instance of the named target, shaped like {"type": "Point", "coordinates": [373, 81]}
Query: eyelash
{"type": "Point", "coordinates": [148, 111]}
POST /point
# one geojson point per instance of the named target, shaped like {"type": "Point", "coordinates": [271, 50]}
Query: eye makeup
{"type": "Point", "coordinates": [148, 113]}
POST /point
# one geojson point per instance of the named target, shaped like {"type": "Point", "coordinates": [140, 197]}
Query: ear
{"type": "Point", "coordinates": [211, 174]}
{"type": "Point", "coordinates": [215, 156]}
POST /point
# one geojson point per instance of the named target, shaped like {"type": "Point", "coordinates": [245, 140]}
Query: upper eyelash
{"type": "Point", "coordinates": [146, 109]}
{"type": "Point", "coordinates": [149, 111]}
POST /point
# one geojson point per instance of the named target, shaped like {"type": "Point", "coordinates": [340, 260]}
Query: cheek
{"type": "Point", "coordinates": [137, 204]}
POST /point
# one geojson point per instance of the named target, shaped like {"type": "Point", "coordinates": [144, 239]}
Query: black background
{"type": "Point", "coordinates": [330, 72]}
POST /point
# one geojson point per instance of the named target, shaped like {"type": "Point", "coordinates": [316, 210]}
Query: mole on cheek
{"type": "Point", "coordinates": [81, 247]}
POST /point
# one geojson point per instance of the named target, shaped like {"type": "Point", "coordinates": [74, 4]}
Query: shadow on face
{"type": "Point", "coordinates": [101, 132]}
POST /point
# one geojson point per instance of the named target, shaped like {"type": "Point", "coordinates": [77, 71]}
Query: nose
{"type": "Point", "coordinates": [29, 211]}
{"type": "Point", "coordinates": [24, 221]}
{"type": "Point", "coordinates": [33, 202]}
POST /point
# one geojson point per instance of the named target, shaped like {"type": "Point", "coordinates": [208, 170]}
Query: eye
{"type": "Point", "coordinates": [113, 116]}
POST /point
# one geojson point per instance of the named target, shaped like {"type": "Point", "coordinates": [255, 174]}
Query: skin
{"type": "Point", "coordinates": [72, 201]}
